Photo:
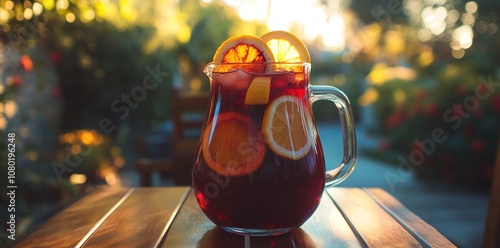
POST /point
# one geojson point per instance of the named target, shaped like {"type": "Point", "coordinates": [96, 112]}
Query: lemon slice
{"type": "Point", "coordinates": [258, 91]}
{"type": "Point", "coordinates": [286, 47]}
{"type": "Point", "coordinates": [287, 126]}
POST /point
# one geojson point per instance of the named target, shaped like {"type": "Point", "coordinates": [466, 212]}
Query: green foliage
{"type": "Point", "coordinates": [463, 105]}
{"type": "Point", "coordinates": [100, 63]}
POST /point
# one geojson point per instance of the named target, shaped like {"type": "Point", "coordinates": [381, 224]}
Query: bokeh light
{"type": "Point", "coordinates": [78, 178]}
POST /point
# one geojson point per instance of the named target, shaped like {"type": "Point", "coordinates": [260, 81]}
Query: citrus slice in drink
{"type": "Point", "coordinates": [287, 127]}
{"type": "Point", "coordinates": [286, 48]}
{"type": "Point", "coordinates": [258, 91]}
{"type": "Point", "coordinates": [232, 145]}
{"type": "Point", "coordinates": [243, 52]}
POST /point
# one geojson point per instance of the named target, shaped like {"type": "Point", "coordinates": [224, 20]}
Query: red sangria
{"type": "Point", "coordinates": [260, 169]}
{"type": "Point", "coordinates": [260, 166]}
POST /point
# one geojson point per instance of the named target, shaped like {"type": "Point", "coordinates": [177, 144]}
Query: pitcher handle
{"type": "Point", "coordinates": [345, 168]}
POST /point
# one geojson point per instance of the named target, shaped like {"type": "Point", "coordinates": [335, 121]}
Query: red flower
{"type": "Point", "coordinates": [488, 172]}
{"type": "Point", "coordinates": [449, 160]}
{"type": "Point", "coordinates": [461, 89]}
{"type": "Point", "coordinates": [447, 175]}
{"type": "Point", "coordinates": [15, 81]}
{"type": "Point", "coordinates": [496, 103]}
{"type": "Point", "coordinates": [478, 113]}
{"type": "Point", "coordinates": [482, 89]}
{"type": "Point", "coordinates": [384, 144]}
{"type": "Point", "coordinates": [469, 130]}
{"type": "Point", "coordinates": [394, 120]}
{"type": "Point", "coordinates": [477, 145]}
{"type": "Point", "coordinates": [421, 94]}
{"type": "Point", "coordinates": [26, 63]}
{"type": "Point", "coordinates": [433, 111]}
{"type": "Point", "coordinates": [55, 56]}
{"type": "Point", "coordinates": [56, 91]}
{"type": "Point", "coordinates": [417, 108]}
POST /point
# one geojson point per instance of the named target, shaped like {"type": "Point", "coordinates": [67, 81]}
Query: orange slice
{"type": "Point", "coordinates": [287, 127]}
{"type": "Point", "coordinates": [232, 145]}
{"type": "Point", "coordinates": [243, 49]}
{"type": "Point", "coordinates": [258, 91]}
{"type": "Point", "coordinates": [286, 48]}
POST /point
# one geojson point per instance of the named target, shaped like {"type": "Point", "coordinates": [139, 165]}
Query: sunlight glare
{"type": "Point", "coordinates": [70, 17]}
{"type": "Point", "coordinates": [62, 4]}
{"type": "Point", "coordinates": [78, 178]}
{"type": "Point", "coordinates": [314, 26]}
{"type": "Point", "coordinates": [28, 14]}
{"type": "Point", "coordinates": [424, 35]}
{"type": "Point", "coordinates": [3, 123]}
{"type": "Point", "coordinates": [433, 19]}
{"type": "Point", "coordinates": [334, 35]}
{"type": "Point", "coordinates": [453, 16]}
{"type": "Point", "coordinates": [426, 56]}
{"type": "Point", "coordinates": [10, 108]}
{"type": "Point", "coordinates": [294, 13]}
{"type": "Point", "coordinates": [248, 10]}
{"type": "Point", "coordinates": [37, 9]}
{"type": "Point", "coordinates": [458, 54]}
{"type": "Point", "coordinates": [464, 35]}
{"type": "Point", "coordinates": [4, 16]}
{"type": "Point", "coordinates": [370, 96]}
{"type": "Point", "coordinates": [310, 17]}
{"type": "Point", "coordinates": [232, 2]}
{"type": "Point", "coordinates": [87, 16]}
{"type": "Point", "coordinates": [468, 19]}
{"type": "Point", "coordinates": [9, 5]}
{"type": "Point", "coordinates": [471, 7]}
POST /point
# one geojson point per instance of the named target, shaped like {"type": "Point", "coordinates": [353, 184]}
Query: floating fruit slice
{"type": "Point", "coordinates": [243, 49]}
{"type": "Point", "coordinates": [286, 127]}
{"type": "Point", "coordinates": [232, 145]}
{"type": "Point", "coordinates": [286, 48]}
{"type": "Point", "coordinates": [258, 92]}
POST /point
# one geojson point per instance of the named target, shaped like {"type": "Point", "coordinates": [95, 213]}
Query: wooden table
{"type": "Point", "coordinates": [170, 217]}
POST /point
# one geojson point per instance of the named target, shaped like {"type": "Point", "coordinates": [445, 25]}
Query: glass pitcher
{"type": "Point", "coordinates": [260, 168]}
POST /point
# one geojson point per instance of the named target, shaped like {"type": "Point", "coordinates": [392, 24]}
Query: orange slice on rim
{"type": "Point", "coordinates": [232, 145]}
{"type": "Point", "coordinates": [287, 127]}
{"type": "Point", "coordinates": [246, 49]}
{"type": "Point", "coordinates": [286, 48]}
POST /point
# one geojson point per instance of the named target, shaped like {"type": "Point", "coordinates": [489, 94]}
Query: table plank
{"type": "Point", "coordinates": [326, 228]}
{"type": "Point", "coordinates": [371, 222]}
{"type": "Point", "coordinates": [141, 220]}
{"type": "Point", "coordinates": [428, 233]}
{"type": "Point", "coordinates": [171, 217]}
{"type": "Point", "coordinates": [74, 223]}
{"type": "Point", "coordinates": [191, 228]}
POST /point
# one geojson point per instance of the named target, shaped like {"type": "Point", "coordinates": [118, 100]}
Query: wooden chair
{"type": "Point", "coordinates": [188, 114]}
{"type": "Point", "coordinates": [492, 230]}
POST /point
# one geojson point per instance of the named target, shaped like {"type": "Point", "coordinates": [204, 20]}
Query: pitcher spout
{"type": "Point", "coordinates": [209, 68]}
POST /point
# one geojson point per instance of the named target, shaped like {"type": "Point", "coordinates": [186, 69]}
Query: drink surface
{"type": "Point", "coordinates": [271, 190]}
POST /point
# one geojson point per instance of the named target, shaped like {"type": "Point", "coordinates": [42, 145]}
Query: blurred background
{"type": "Point", "coordinates": [84, 85]}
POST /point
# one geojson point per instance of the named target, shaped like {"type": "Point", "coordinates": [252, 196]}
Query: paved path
{"type": "Point", "coordinates": [458, 213]}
